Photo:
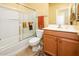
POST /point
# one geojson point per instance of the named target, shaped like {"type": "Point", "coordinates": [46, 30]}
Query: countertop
{"type": "Point", "coordinates": [65, 28]}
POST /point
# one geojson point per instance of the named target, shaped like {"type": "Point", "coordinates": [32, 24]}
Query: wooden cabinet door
{"type": "Point", "coordinates": [50, 44]}
{"type": "Point", "coordinates": [67, 47]}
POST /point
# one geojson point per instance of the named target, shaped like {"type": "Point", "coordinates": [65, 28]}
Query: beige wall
{"type": "Point", "coordinates": [42, 10]}
{"type": "Point", "coordinates": [52, 10]}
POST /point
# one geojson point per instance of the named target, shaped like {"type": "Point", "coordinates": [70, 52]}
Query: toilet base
{"type": "Point", "coordinates": [36, 48]}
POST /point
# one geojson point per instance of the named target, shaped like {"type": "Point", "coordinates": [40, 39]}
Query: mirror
{"type": "Point", "coordinates": [74, 14]}
{"type": "Point", "coordinates": [70, 10]}
{"type": "Point", "coordinates": [62, 16]}
{"type": "Point", "coordinates": [68, 15]}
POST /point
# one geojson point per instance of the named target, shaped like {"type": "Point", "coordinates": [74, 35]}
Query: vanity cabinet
{"type": "Point", "coordinates": [60, 43]}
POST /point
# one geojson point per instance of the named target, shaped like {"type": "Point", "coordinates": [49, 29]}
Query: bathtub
{"type": "Point", "coordinates": [12, 45]}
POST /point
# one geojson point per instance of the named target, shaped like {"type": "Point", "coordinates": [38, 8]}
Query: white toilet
{"type": "Point", "coordinates": [34, 42]}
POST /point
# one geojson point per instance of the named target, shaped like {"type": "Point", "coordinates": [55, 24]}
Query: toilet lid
{"type": "Point", "coordinates": [34, 39]}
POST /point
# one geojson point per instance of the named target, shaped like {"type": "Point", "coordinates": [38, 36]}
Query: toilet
{"type": "Point", "coordinates": [34, 42]}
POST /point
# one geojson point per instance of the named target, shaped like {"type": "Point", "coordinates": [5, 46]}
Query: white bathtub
{"type": "Point", "coordinates": [12, 45]}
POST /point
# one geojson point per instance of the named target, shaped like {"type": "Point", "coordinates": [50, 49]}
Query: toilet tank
{"type": "Point", "coordinates": [39, 33]}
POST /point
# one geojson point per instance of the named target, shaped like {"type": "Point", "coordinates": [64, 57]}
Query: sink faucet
{"type": "Point", "coordinates": [59, 25]}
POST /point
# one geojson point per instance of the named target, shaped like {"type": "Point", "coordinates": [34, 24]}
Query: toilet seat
{"type": "Point", "coordinates": [33, 40]}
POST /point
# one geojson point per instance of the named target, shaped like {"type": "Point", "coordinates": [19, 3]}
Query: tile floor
{"type": "Point", "coordinates": [26, 52]}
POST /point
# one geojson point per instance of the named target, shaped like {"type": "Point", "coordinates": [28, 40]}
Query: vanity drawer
{"type": "Point", "coordinates": [69, 35]}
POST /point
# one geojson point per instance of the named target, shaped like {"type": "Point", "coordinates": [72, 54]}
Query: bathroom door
{"type": "Point", "coordinates": [40, 22]}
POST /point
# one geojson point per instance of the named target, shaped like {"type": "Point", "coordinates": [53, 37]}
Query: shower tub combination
{"type": "Point", "coordinates": [9, 46]}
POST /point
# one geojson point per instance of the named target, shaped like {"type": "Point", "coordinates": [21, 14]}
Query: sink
{"type": "Point", "coordinates": [67, 28]}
